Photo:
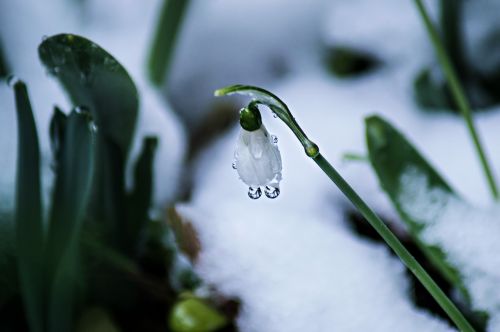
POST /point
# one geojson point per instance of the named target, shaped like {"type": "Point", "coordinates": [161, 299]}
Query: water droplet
{"type": "Point", "coordinates": [272, 192]}
{"type": "Point", "coordinates": [274, 139]}
{"type": "Point", "coordinates": [234, 165]}
{"type": "Point", "coordinates": [254, 193]}
{"type": "Point", "coordinates": [82, 110]}
{"type": "Point", "coordinates": [44, 38]}
{"type": "Point", "coordinates": [93, 127]}
{"type": "Point", "coordinates": [275, 115]}
{"type": "Point", "coordinates": [12, 80]}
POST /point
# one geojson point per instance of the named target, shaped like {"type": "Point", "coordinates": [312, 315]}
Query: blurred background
{"type": "Point", "coordinates": [198, 249]}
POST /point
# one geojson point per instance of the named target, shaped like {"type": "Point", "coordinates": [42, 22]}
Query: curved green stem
{"type": "Point", "coordinates": [393, 242]}
{"type": "Point", "coordinates": [459, 96]}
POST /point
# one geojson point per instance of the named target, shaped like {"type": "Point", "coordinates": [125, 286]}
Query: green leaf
{"type": "Point", "coordinates": [56, 132]}
{"type": "Point", "coordinates": [139, 200]}
{"type": "Point", "coordinates": [279, 108]}
{"type": "Point", "coordinates": [74, 174]}
{"type": "Point", "coordinates": [96, 81]}
{"type": "Point", "coordinates": [162, 50]}
{"type": "Point", "coordinates": [28, 211]}
{"type": "Point", "coordinates": [4, 68]}
{"type": "Point", "coordinates": [392, 156]}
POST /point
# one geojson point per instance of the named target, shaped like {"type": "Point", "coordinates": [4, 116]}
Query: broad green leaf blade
{"type": "Point", "coordinates": [94, 79]}
{"type": "Point", "coordinates": [139, 200]}
{"type": "Point", "coordinates": [74, 176]}
{"type": "Point", "coordinates": [264, 97]}
{"type": "Point", "coordinates": [392, 156]}
{"type": "Point", "coordinates": [28, 211]}
{"type": "Point", "coordinates": [162, 50]}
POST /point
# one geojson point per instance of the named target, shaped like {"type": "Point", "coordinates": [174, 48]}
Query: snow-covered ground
{"type": "Point", "coordinates": [293, 262]}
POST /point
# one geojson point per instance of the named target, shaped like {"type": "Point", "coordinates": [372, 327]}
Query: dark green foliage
{"type": "Point", "coordinates": [140, 199]}
{"type": "Point", "coordinates": [28, 211]}
{"type": "Point", "coordinates": [167, 31]}
{"type": "Point", "coordinates": [95, 81]}
{"type": "Point", "coordinates": [391, 155]}
{"type": "Point", "coordinates": [74, 140]}
{"type": "Point", "coordinates": [101, 247]}
{"type": "Point", "coordinates": [348, 62]}
{"type": "Point", "coordinates": [4, 68]}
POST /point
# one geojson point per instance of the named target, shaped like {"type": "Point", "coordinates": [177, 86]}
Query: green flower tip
{"type": "Point", "coordinates": [227, 90]}
{"type": "Point", "coordinates": [250, 118]}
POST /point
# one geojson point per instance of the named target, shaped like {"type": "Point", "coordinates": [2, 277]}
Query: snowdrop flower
{"type": "Point", "coordinates": [257, 157]}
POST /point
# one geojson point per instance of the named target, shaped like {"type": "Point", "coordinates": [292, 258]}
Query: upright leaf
{"type": "Point", "coordinates": [28, 211]}
{"type": "Point", "coordinates": [95, 80]}
{"type": "Point", "coordinates": [75, 168]}
{"type": "Point", "coordinates": [392, 156]}
{"type": "Point", "coordinates": [139, 200]}
{"type": "Point", "coordinates": [165, 38]}
{"type": "Point", "coordinates": [4, 69]}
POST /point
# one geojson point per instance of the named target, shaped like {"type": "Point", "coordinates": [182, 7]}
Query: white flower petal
{"type": "Point", "coordinates": [258, 160]}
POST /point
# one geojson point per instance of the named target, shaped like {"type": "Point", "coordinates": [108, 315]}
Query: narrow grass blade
{"type": "Point", "coordinates": [74, 169]}
{"type": "Point", "coordinates": [28, 211]}
{"type": "Point", "coordinates": [162, 50]}
{"type": "Point", "coordinates": [459, 96]}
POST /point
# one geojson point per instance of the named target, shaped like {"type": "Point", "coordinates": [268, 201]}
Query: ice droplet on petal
{"type": "Point", "coordinates": [275, 115]}
{"type": "Point", "coordinates": [254, 193]}
{"type": "Point", "coordinates": [234, 165]}
{"type": "Point", "coordinates": [272, 192]}
{"type": "Point", "coordinates": [274, 139]}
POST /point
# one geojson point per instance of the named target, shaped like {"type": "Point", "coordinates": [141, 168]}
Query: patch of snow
{"type": "Point", "coordinates": [294, 272]}
{"type": "Point", "coordinates": [468, 236]}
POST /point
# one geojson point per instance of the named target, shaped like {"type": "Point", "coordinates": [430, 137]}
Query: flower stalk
{"type": "Point", "coordinates": [458, 93]}
{"type": "Point", "coordinates": [261, 96]}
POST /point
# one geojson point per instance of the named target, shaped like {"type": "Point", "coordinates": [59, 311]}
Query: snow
{"type": "Point", "coordinates": [468, 235]}
{"type": "Point", "coordinates": [297, 278]}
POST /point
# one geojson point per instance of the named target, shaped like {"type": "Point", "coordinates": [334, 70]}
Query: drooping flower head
{"type": "Point", "coordinates": [257, 157]}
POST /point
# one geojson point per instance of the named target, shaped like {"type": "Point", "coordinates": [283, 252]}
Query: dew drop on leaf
{"type": "Point", "coordinates": [271, 192]}
{"type": "Point", "coordinates": [254, 193]}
